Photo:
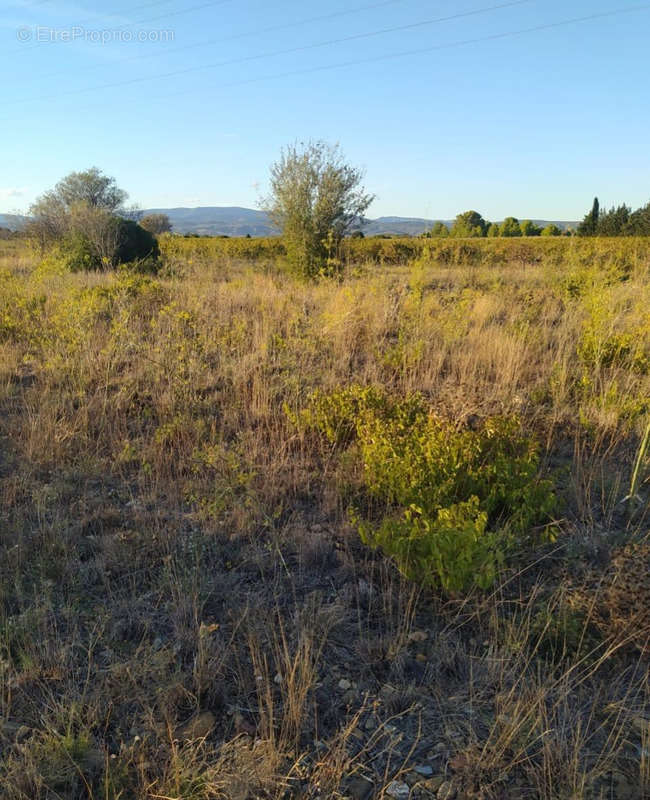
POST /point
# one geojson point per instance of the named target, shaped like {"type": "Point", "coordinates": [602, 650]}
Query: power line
{"type": "Point", "coordinates": [416, 51]}
{"type": "Point", "coordinates": [130, 10]}
{"type": "Point", "coordinates": [287, 51]}
{"type": "Point", "coordinates": [246, 34]}
{"type": "Point", "coordinates": [429, 49]}
{"type": "Point", "coordinates": [422, 50]}
{"type": "Point", "coordinates": [176, 13]}
{"type": "Point", "coordinates": [141, 8]}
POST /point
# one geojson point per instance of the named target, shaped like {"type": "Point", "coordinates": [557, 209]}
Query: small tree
{"type": "Point", "coordinates": [98, 229]}
{"type": "Point", "coordinates": [315, 199]}
{"type": "Point", "coordinates": [552, 230]}
{"type": "Point", "coordinates": [83, 218]}
{"type": "Point", "coordinates": [156, 223]}
{"type": "Point", "coordinates": [88, 193]}
{"type": "Point", "coordinates": [48, 220]}
{"type": "Point", "coordinates": [469, 225]}
{"type": "Point", "coordinates": [493, 231]}
{"type": "Point", "coordinates": [440, 230]}
{"type": "Point", "coordinates": [510, 227]}
{"type": "Point", "coordinates": [92, 188]}
{"type": "Point", "coordinates": [528, 228]}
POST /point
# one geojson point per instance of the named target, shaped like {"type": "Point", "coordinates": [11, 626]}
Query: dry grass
{"type": "Point", "coordinates": [173, 550]}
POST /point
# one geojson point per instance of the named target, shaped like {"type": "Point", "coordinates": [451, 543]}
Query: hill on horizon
{"type": "Point", "coordinates": [238, 221]}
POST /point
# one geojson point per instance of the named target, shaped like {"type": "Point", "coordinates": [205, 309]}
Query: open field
{"type": "Point", "coordinates": [187, 609]}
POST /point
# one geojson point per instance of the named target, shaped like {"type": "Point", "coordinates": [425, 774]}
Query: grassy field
{"type": "Point", "coordinates": [187, 608]}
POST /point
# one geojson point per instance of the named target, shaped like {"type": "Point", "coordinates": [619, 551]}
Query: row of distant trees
{"type": "Point", "coordinates": [617, 221]}
{"type": "Point", "coordinates": [472, 225]}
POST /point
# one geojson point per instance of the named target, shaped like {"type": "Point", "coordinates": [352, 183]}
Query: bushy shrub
{"type": "Point", "coordinates": [135, 244]}
{"type": "Point", "coordinates": [337, 415]}
{"type": "Point", "coordinates": [123, 242]}
{"type": "Point", "coordinates": [76, 253]}
{"type": "Point", "coordinates": [454, 502]}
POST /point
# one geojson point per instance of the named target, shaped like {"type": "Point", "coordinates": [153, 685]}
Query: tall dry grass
{"type": "Point", "coordinates": [175, 551]}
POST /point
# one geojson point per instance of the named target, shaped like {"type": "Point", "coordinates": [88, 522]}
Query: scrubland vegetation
{"type": "Point", "coordinates": [378, 533]}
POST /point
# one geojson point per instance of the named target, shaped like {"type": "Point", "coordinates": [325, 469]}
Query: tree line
{"type": "Point", "coordinates": [472, 225]}
{"type": "Point", "coordinates": [617, 221]}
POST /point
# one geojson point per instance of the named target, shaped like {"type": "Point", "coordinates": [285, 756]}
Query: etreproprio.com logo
{"type": "Point", "coordinates": [76, 33]}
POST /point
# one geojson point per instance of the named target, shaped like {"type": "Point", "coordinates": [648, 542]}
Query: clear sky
{"type": "Point", "coordinates": [533, 124]}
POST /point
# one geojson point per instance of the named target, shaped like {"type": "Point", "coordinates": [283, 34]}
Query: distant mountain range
{"type": "Point", "coordinates": [12, 221]}
{"type": "Point", "coordinates": [218, 221]}
{"type": "Point", "coordinates": [235, 221]}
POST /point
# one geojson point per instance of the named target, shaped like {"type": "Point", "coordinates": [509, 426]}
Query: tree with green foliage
{"type": "Point", "coordinates": [614, 222]}
{"type": "Point", "coordinates": [551, 230]}
{"type": "Point", "coordinates": [639, 223]}
{"type": "Point", "coordinates": [439, 231]}
{"type": "Point", "coordinates": [79, 192]}
{"type": "Point", "coordinates": [92, 188]}
{"type": "Point", "coordinates": [510, 227]}
{"type": "Point", "coordinates": [83, 219]}
{"type": "Point", "coordinates": [469, 225]}
{"type": "Point", "coordinates": [315, 199]}
{"type": "Point", "coordinates": [493, 230]}
{"type": "Point", "coordinates": [589, 225]}
{"type": "Point", "coordinates": [528, 228]}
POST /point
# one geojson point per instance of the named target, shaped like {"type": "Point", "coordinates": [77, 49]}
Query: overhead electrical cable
{"type": "Point", "coordinates": [399, 54]}
{"type": "Point", "coordinates": [244, 34]}
{"type": "Point", "coordinates": [275, 53]}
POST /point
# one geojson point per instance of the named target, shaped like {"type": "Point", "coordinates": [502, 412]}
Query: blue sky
{"type": "Point", "coordinates": [532, 125]}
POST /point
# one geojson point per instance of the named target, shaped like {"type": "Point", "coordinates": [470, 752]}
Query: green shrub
{"type": "Point", "coordinates": [454, 503]}
{"type": "Point", "coordinates": [136, 245]}
{"type": "Point", "coordinates": [451, 546]}
{"type": "Point", "coordinates": [125, 243]}
{"type": "Point", "coordinates": [76, 254]}
{"type": "Point", "coordinates": [337, 415]}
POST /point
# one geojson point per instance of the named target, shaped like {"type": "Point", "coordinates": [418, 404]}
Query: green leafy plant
{"type": "Point", "coordinates": [453, 502]}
